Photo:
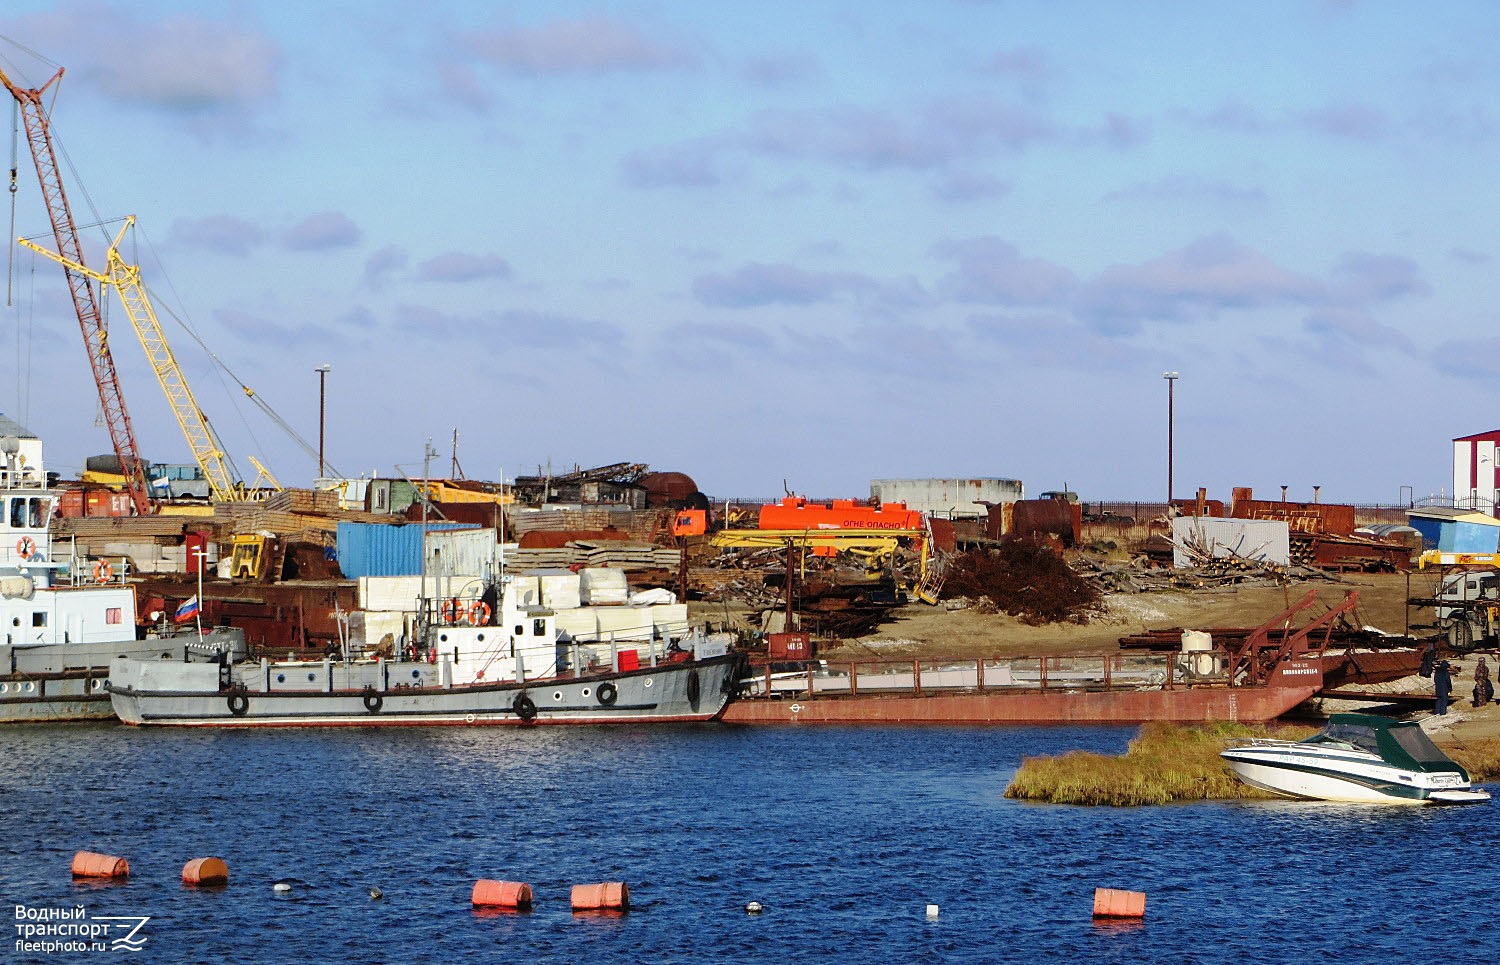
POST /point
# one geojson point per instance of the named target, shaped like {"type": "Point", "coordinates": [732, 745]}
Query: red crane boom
{"type": "Point", "coordinates": [95, 335]}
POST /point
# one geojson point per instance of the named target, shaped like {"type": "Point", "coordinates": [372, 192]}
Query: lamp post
{"type": "Point", "coordinates": [1171, 378]}
{"type": "Point", "coordinates": [322, 371]}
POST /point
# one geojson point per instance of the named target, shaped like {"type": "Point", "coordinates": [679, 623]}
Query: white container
{"type": "Point", "coordinates": [560, 589]}
{"type": "Point", "coordinates": [603, 585]}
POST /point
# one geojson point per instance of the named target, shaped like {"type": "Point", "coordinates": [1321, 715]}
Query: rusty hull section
{"type": "Point", "coordinates": [1246, 704]}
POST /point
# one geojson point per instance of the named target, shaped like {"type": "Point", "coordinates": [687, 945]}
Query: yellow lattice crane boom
{"type": "Point", "coordinates": [126, 280]}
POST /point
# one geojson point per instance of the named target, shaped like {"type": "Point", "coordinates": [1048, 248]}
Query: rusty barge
{"type": "Point", "coordinates": [1252, 678]}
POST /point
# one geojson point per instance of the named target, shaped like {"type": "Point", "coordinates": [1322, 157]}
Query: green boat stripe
{"type": "Point", "coordinates": [1388, 788]}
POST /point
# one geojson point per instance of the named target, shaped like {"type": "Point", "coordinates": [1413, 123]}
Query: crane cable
{"type": "Point", "coordinates": [250, 393]}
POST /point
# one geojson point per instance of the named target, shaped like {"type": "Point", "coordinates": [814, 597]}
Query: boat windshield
{"type": "Point", "coordinates": [1363, 738]}
{"type": "Point", "coordinates": [1417, 744]}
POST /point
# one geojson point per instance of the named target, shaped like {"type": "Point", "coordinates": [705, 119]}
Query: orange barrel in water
{"type": "Point", "coordinates": [205, 871]}
{"type": "Point", "coordinates": [1110, 903]}
{"type": "Point", "coordinates": [87, 864]}
{"type": "Point", "coordinates": [501, 894]}
{"type": "Point", "coordinates": [608, 896]}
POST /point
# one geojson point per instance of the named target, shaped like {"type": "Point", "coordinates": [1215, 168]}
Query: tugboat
{"type": "Point", "coordinates": [1357, 758]}
{"type": "Point", "coordinates": [65, 619]}
{"type": "Point", "coordinates": [470, 668]}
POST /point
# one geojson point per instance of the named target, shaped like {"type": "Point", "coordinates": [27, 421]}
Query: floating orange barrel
{"type": "Point", "coordinates": [501, 894]}
{"type": "Point", "coordinates": [87, 864]}
{"type": "Point", "coordinates": [205, 871]}
{"type": "Point", "coordinates": [608, 896]}
{"type": "Point", "coordinates": [1110, 903]}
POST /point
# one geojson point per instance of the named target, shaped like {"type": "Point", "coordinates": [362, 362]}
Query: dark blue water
{"type": "Point", "coordinates": [845, 835]}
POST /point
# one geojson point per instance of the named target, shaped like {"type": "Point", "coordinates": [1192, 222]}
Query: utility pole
{"type": "Point", "coordinates": [1171, 378]}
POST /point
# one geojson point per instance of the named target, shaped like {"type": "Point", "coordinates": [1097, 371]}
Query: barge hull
{"type": "Point", "coordinates": [1251, 705]}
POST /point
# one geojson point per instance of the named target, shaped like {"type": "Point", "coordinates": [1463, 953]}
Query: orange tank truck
{"type": "Point", "coordinates": [794, 512]}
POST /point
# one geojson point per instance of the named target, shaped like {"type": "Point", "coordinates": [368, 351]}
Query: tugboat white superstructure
{"type": "Point", "coordinates": [64, 619]}
{"type": "Point", "coordinates": [1356, 758]}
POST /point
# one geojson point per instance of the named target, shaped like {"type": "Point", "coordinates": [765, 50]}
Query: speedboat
{"type": "Point", "coordinates": [1358, 758]}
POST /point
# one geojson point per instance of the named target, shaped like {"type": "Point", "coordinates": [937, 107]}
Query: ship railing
{"type": "Point", "coordinates": [1094, 672]}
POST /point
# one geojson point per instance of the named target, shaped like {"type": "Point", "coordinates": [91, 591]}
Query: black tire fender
{"type": "Point", "coordinates": [607, 693]}
{"type": "Point", "coordinates": [694, 688]}
{"type": "Point", "coordinates": [373, 701]}
{"type": "Point", "coordinates": [524, 707]}
{"type": "Point", "coordinates": [239, 704]}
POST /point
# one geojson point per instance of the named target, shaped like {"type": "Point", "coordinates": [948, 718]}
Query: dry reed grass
{"type": "Point", "coordinates": [1164, 763]}
{"type": "Point", "coordinates": [1481, 758]}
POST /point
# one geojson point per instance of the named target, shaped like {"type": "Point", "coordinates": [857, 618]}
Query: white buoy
{"type": "Point", "coordinates": [375, 894]}
{"type": "Point", "coordinates": [932, 911]}
{"type": "Point", "coordinates": [754, 908]}
{"type": "Point", "coordinates": [281, 886]}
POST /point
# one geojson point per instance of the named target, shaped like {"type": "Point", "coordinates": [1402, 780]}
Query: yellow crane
{"type": "Point", "coordinates": [126, 280]}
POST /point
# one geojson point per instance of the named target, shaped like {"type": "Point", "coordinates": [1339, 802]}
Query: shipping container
{"type": "Point", "coordinates": [382, 549]}
{"type": "Point", "coordinates": [465, 552]}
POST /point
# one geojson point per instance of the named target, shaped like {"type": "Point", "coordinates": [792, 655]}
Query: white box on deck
{"type": "Point", "coordinates": [560, 589]}
{"type": "Point", "coordinates": [580, 623]}
{"type": "Point", "coordinates": [625, 623]}
{"type": "Point", "coordinates": [524, 590]}
{"type": "Point", "coordinates": [670, 619]}
{"type": "Point", "coordinates": [603, 585]}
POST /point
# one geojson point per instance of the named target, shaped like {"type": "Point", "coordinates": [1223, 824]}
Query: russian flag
{"type": "Point", "coordinates": [187, 611]}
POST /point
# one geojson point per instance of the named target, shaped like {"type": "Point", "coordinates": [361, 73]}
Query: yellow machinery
{"type": "Point", "coordinates": [247, 558]}
{"type": "Point", "coordinates": [126, 279]}
{"type": "Point", "coordinates": [874, 547]}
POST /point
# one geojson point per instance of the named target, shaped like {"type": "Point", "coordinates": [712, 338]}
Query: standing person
{"type": "Point", "coordinates": [1483, 689]}
{"type": "Point", "coordinates": [1442, 685]}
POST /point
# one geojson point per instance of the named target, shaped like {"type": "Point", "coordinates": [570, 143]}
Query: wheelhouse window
{"type": "Point", "coordinates": [113, 614]}
{"type": "Point", "coordinates": [539, 627]}
{"type": "Point", "coordinates": [39, 618]}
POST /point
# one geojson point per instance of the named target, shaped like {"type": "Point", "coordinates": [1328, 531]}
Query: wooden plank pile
{"type": "Point", "coordinates": [294, 515]}
{"type": "Point", "coordinates": [624, 556]}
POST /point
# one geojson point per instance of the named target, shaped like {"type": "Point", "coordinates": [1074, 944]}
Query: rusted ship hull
{"type": "Point", "coordinates": [1363, 667]}
{"type": "Point", "coordinates": [1245, 704]}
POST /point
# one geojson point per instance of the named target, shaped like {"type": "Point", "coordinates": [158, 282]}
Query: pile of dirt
{"type": "Point", "coordinates": [1026, 579]}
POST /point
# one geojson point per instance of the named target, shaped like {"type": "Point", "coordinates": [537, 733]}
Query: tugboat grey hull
{"type": "Point", "coordinates": [59, 683]}
{"type": "Point", "coordinates": [410, 693]}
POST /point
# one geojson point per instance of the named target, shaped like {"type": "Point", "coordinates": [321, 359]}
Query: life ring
{"type": "Point", "coordinates": [479, 613]}
{"type": "Point", "coordinates": [103, 572]}
{"type": "Point", "coordinates": [694, 688]}
{"type": "Point", "coordinates": [373, 701]}
{"type": "Point", "coordinates": [607, 693]}
{"type": "Point", "coordinates": [26, 546]}
{"type": "Point", "coordinates": [238, 704]}
{"type": "Point", "coordinates": [453, 610]}
{"type": "Point", "coordinates": [524, 707]}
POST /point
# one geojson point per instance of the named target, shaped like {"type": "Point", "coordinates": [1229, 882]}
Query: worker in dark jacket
{"type": "Point", "coordinates": [1442, 685]}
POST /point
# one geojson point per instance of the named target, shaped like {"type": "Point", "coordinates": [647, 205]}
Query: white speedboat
{"type": "Point", "coordinates": [1357, 758]}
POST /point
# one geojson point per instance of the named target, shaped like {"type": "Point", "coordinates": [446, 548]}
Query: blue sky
{"type": "Point", "coordinates": [818, 243]}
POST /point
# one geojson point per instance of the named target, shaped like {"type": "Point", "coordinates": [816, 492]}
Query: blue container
{"type": "Point", "coordinates": [1461, 537]}
{"type": "Point", "coordinates": [384, 549]}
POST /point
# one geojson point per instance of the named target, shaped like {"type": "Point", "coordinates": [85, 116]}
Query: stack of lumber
{"type": "Point", "coordinates": [623, 556]}
{"type": "Point", "coordinates": [295, 515]}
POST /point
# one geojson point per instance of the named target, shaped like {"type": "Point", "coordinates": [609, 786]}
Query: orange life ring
{"type": "Point", "coordinates": [103, 572]}
{"type": "Point", "coordinates": [479, 613]}
{"type": "Point", "coordinates": [26, 546]}
{"type": "Point", "coordinates": [453, 610]}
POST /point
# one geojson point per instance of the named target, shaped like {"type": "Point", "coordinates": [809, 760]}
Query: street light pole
{"type": "Point", "coordinates": [1171, 378]}
{"type": "Point", "coordinates": [322, 371]}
